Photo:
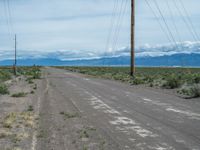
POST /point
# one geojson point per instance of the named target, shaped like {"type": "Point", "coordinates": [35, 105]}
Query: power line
{"type": "Point", "coordinates": [176, 29]}
{"type": "Point", "coordinates": [9, 15]}
{"type": "Point", "coordinates": [167, 27]}
{"type": "Point", "coordinates": [9, 22]}
{"type": "Point", "coordinates": [157, 19]}
{"type": "Point", "coordinates": [111, 29]}
{"type": "Point", "coordinates": [184, 20]}
{"type": "Point", "coordinates": [118, 15]}
{"type": "Point", "coordinates": [189, 20]}
{"type": "Point", "coordinates": [112, 22]}
{"type": "Point", "coordinates": [119, 24]}
{"type": "Point", "coordinates": [192, 26]}
{"type": "Point", "coordinates": [6, 16]}
{"type": "Point", "coordinates": [173, 21]}
{"type": "Point", "coordinates": [167, 32]}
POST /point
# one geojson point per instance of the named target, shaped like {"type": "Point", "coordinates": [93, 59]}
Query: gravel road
{"type": "Point", "coordinates": [77, 112]}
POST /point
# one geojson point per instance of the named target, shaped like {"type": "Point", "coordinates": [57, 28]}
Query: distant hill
{"type": "Point", "coordinates": [172, 60]}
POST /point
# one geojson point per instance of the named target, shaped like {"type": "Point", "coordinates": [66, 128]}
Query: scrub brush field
{"type": "Point", "coordinates": [185, 81]}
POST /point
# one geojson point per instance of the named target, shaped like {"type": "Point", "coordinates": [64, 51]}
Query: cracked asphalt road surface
{"type": "Point", "coordinates": [80, 112]}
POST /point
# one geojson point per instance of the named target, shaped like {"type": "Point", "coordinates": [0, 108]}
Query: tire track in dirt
{"type": "Point", "coordinates": [35, 133]}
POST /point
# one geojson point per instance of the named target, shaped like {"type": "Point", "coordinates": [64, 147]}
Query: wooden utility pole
{"type": "Point", "coordinates": [15, 62]}
{"type": "Point", "coordinates": [132, 68]}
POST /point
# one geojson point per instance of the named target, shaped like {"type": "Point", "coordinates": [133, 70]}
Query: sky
{"type": "Point", "coordinates": [81, 27]}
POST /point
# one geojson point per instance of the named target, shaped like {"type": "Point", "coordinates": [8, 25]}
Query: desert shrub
{"type": "Point", "coordinates": [151, 84]}
{"type": "Point", "coordinates": [32, 92]}
{"type": "Point", "coordinates": [5, 75]}
{"type": "Point", "coordinates": [83, 71]}
{"type": "Point", "coordinates": [184, 91]}
{"type": "Point", "coordinates": [148, 79]}
{"type": "Point", "coordinates": [3, 89]}
{"type": "Point", "coordinates": [20, 94]}
{"type": "Point", "coordinates": [137, 81]}
{"type": "Point", "coordinates": [195, 91]}
{"type": "Point", "coordinates": [172, 83]}
{"type": "Point", "coordinates": [191, 91]}
{"type": "Point", "coordinates": [30, 80]}
{"type": "Point", "coordinates": [31, 72]}
{"type": "Point", "coordinates": [30, 108]}
{"type": "Point", "coordinates": [107, 75]}
{"type": "Point", "coordinates": [118, 77]}
{"type": "Point", "coordinates": [196, 78]}
{"type": "Point", "coordinates": [36, 75]}
{"type": "Point", "coordinates": [169, 78]}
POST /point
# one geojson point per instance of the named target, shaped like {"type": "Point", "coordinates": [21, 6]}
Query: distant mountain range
{"type": "Point", "coordinates": [191, 59]}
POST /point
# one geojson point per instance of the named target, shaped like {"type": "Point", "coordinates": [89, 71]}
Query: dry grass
{"type": "Point", "coordinates": [19, 119]}
{"type": "Point", "coordinates": [16, 127]}
{"type": "Point", "coordinates": [4, 133]}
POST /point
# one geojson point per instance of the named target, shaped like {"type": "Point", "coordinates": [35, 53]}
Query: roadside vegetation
{"type": "Point", "coordinates": [186, 81]}
{"type": "Point", "coordinates": [6, 73]}
{"type": "Point", "coordinates": [67, 115]}
{"type": "Point", "coordinates": [16, 128]}
{"type": "Point", "coordinates": [3, 89]}
{"type": "Point", "coordinates": [18, 121]}
{"type": "Point", "coordinates": [20, 94]}
{"type": "Point", "coordinates": [31, 73]}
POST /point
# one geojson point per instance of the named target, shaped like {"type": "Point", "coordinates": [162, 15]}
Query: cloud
{"type": "Point", "coordinates": [147, 50]}
{"type": "Point", "coordinates": [186, 47]}
{"type": "Point", "coordinates": [85, 24]}
{"type": "Point", "coordinates": [144, 51]}
{"type": "Point", "coordinates": [75, 17]}
{"type": "Point", "coordinates": [59, 54]}
{"type": "Point", "coordinates": [63, 24]}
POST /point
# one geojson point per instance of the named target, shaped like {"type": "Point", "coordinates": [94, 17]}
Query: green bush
{"type": "Point", "coordinates": [5, 75]}
{"type": "Point", "coordinates": [32, 92]}
{"type": "Point", "coordinates": [195, 91]}
{"type": "Point", "coordinates": [3, 89]}
{"type": "Point", "coordinates": [30, 108]}
{"type": "Point", "coordinates": [137, 81]}
{"type": "Point", "coordinates": [20, 94]}
{"type": "Point", "coordinates": [36, 75]}
{"type": "Point", "coordinates": [190, 91]}
{"type": "Point", "coordinates": [197, 79]}
{"type": "Point", "coordinates": [32, 72]}
{"type": "Point", "coordinates": [172, 83]}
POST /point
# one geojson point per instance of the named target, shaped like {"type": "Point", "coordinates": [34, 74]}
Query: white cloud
{"type": "Point", "coordinates": [144, 51]}
{"type": "Point", "coordinates": [169, 49]}
{"type": "Point", "coordinates": [61, 24]}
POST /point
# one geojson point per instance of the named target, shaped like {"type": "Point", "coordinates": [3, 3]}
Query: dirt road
{"type": "Point", "coordinates": [70, 111]}
{"type": "Point", "coordinates": [77, 112]}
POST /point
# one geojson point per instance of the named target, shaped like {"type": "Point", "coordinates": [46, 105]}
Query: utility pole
{"type": "Point", "coordinates": [15, 62]}
{"type": "Point", "coordinates": [132, 68]}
